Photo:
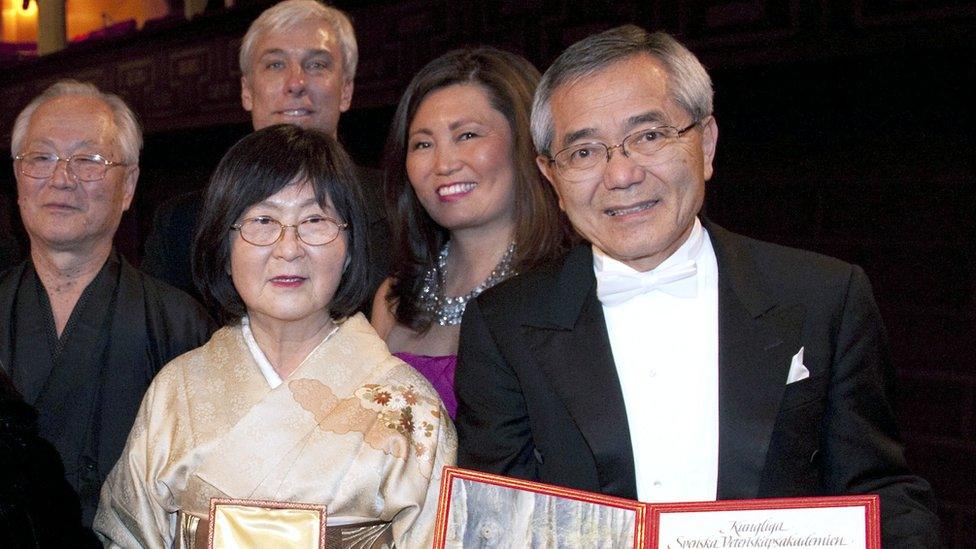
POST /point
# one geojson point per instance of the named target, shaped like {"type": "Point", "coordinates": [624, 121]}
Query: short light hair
{"type": "Point", "coordinates": [128, 136]}
{"type": "Point", "coordinates": [689, 83]}
{"type": "Point", "coordinates": [287, 15]}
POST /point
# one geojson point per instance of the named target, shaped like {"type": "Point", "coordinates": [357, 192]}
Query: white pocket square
{"type": "Point", "coordinates": [797, 370]}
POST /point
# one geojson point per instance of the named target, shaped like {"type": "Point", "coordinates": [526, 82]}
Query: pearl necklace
{"type": "Point", "coordinates": [447, 311]}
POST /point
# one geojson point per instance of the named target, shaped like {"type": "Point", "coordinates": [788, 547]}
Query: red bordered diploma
{"type": "Point", "coordinates": [479, 509]}
{"type": "Point", "coordinates": [848, 522]}
{"type": "Point", "coordinates": [236, 523]}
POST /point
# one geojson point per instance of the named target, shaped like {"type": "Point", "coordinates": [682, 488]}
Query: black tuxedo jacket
{"type": "Point", "coordinates": [539, 396]}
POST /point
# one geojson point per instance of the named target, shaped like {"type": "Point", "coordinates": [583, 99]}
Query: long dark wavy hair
{"type": "Point", "coordinates": [541, 229]}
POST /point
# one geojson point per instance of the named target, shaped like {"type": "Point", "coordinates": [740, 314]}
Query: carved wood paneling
{"type": "Point", "coordinates": [174, 78]}
{"type": "Point", "coordinates": [186, 76]}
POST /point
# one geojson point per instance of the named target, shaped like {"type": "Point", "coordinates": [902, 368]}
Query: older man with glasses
{"type": "Point", "coordinates": [667, 359]}
{"type": "Point", "coordinates": [82, 333]}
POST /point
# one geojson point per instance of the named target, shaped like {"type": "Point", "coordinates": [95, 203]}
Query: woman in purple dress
{"type": "Point", "coordinates": [467, 204]}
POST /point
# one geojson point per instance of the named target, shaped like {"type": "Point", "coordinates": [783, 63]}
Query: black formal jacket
{"type": "Point", "coordinates": [539, 397]}
{"type": "Point", "coordinates": [152, 324]}
{"type": "Point", "coordinates": [168, 250]}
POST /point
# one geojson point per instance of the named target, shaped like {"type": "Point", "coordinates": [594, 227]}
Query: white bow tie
{"type": "Point", "coordinates": [614, 288]}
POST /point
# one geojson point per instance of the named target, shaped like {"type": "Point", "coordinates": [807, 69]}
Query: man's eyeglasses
{"type": "Point", "coordinates": [585, 161]}
{"type": "Point", "coordinates": [265, 231]}
{"type": "Point", "coordinates": [83, 167]}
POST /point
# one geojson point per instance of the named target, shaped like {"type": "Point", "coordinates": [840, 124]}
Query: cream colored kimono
{"type": "Point", "coordinates": [353, 428]}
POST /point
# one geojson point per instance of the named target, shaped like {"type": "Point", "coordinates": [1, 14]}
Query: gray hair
{"type": "Point", "coordinates": [291, 13]}
{"type": "Point", "coordinates": [690, 85]}
{"type": "Point", "coordinates": [128, 136]}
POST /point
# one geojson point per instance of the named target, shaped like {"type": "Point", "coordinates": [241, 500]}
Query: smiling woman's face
{"type": "Point", "coordinates": [288, 281]}
{"type": "Point", "coordinates": [459, 159]}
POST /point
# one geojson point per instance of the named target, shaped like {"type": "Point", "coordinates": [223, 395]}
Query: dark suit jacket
{"type": "Point", "coordinates": [168, 251]}
{"type": "Point", "coordinates": [539, 396]}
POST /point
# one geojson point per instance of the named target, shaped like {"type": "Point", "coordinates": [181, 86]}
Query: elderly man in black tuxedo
{"type": "Point", "coordinates": [667, 359]}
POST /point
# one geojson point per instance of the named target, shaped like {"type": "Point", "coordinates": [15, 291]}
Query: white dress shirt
{"type": "Point", "coordinates": [665, 349]}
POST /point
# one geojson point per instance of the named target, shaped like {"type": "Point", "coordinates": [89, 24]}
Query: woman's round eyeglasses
{"type": "Point", "coordinates": [265, 231]}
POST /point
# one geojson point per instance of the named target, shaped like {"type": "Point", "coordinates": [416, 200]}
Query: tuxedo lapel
{"type": "Point", "coordinates": [757, 338]}
{"type": "Point", "coordinates": [568, 338]}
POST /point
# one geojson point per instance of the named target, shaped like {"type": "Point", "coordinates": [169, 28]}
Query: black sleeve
{"type": "Point", "coordinates": [176, 323]}
{"type": "Point", "coordinates": [492, 421]}
{"type": "Point", "coordinates": [862, 450]}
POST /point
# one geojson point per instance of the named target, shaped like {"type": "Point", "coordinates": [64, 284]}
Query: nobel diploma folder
{"type": "Point", "coordinates": [236, 523]}
{"type": "Point", "coordinates": [483, 510]}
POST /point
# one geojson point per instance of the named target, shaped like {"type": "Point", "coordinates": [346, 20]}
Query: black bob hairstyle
{"type": "Point", "coordinates": [257, 167]}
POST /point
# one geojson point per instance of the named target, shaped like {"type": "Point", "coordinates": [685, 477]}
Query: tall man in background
{"type": "Point", "coordinates": [667, 359]}
{"type": "Point", "coordinates": [82, 333]}
{"type": "Point", "coordinates": [298, 62]}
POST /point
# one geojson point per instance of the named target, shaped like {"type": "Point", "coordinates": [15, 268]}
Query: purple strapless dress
{"type": "Point", "coordinates": [439, 370]}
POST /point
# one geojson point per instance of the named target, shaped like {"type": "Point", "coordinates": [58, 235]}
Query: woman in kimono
{"type": "Point", "coordinates": [296, 399]}
{"type": "Point", "coordinates": [467, 204]}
